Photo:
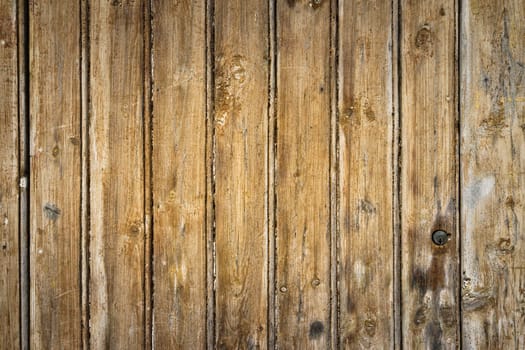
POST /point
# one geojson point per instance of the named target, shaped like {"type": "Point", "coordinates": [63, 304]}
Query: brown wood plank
{"type": "Point", "coordinates": [84, 220]}
{"type": "Point", "coordinates": [302, 175]}
{"type": "Point", "coordinates": [9, 186]}
{"type": "Point", "coordinates": [179, 174]}
{"type": "Point", "coordinates": [240, 129]}
{"type": "Point", "coordinates": [55, 313]}
{"type": "Point", "coordinates": [116, 174]}
{"type": "Point", "coordinates": [365, 180]}
{"type": "Point", "coordinates": [428, 174]}
{"type": "Point", "coordinates": [493, 174]}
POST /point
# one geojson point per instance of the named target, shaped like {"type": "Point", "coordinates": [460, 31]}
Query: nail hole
{"type": "Point", "coordinates": [440, 237]}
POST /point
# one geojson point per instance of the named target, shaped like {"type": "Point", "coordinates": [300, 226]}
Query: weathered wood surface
{"type": "Point", "coordinates": [240, 122]}
{"type": "Point", "coordinates": [116, 174]}
{"type": "Point", "coordinates": [366, 277]}
{"type": "Point", "coordinates": [54, 51]}
{"type": "Point", "coordinates": [302, 174]}
{"type": "Point", "coordinates": [9, 179]}
{"type": "Point", "coordinates": [179, 176]}
{"type": "Point", "coordinates": [430, 274]}
{"type": "Point", "coordinates": [212, 174]}
{"type": "Point", "coordinates": [493, 174]}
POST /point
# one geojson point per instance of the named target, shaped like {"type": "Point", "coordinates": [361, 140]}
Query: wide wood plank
{"type": "Point", "coordinates": [116, 174]}
{"type": "Point", "coordinates": [428, 174]}
{"type": "Point", "coordinates": [302, 174]}
{"type": "Point", "coordinates": [240, 129]}
{"type": "Point", "coordinates": [365, 179]}
{"type": "Point", "coordinates": [179, 174]}
{"type": "Point", "coordinates": [55, 313]}
{"type": "Point", "coordinates": [493, 174]}
{"type": "Point", "coordinates": [9, 170]}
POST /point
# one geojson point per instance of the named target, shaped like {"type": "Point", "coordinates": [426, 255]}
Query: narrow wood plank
{"type": "Point", "coordinates": [241, 125]}
{"type": "Point", "coordinates": [396, 183]}
{"type": "Point", "coordinates": [179, 174]}
{"type": "Point", "coordinates": [492, 175]}
{"type": "Point", "coordinates": [428, 175]}
{"type": "Point", "coordinates": [55, 312]}
{"type": "Point", "coordinates": [9, 169]}
{"type": "Point", "coordinates": [84, 220]}
{"type": "Point", "coordinates": [365, 179]}
{"type": "Point", "coordinates": [23, 171]}
{"type": "Point", "coordinates": [302, 175]}
{"type": "Point", "coordinates": [148, 174]}
{"type": "Point", "coordinates": [210, 179]}
{"type": "Point", "coordinates": [116, 174]}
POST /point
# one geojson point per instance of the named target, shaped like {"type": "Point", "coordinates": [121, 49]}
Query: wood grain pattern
{"type": "Point", "coordinates": [224, 174]}
{"type": "Point", "coordinates": [492, 176]}
{"type": "Point", "coordinates": [428, 174]}
{"type": "Point", "coordinates": [9, 170]}
{"type": "Point", "coordinates": [116, 174]}
{"type": "Point", "coordinates": [240, 129]}
{"type": "Point", "coordinates": [365, 180]}
{"type": "Point", "coordinates": [302, 175]}
{"type": "Point", "coordinates": [55, 174]}
{"type": "Point", "coordinates": [179, 174]}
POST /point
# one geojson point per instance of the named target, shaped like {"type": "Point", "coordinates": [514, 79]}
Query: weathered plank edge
{"type": "Point", "coordinates": [24, 166]}
{"type": "Point", "coordinates": [334, 174]}
{"type": "Point", "coordinates": [396, 170]}
{"type": "Point", "coordinates": [84, 151]}
{"type": "Point", "coordinates": [270, 185]}
{"type": "Point", "coordinates": [148, 173]}
{"type": "Point", "coordinates": [457, 175]}
{"type": "Point", "coordinates": [210, 174]}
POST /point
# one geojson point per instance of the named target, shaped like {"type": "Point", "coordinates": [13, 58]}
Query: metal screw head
{"type": "Point", "coordinates": [439, 237]}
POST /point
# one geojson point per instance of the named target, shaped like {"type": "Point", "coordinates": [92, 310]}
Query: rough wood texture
{"type": "Point", "coordinates": [55, 174]}
{"type": "Point", "coordinates": [116, 174]}
{"type": "Point", "coordinates": [302, 176]}
{"type": "Point", "coordinates": [428, 174]}
{"type": "Point", "coordinates": [493, 174]}
{"type": "Point", "coordinates": [240, 129]}
{"type": "Point", "coordinates": [9, 167]}
{"type": "Point", "coordinates": [262, 174]}
{"type": "Point", "coordinates": [179, 174]}
{"type": "Point", "coordinates": [365, 180]}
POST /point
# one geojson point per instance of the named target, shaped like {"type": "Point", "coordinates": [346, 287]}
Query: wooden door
{"type": "Point", "coordinates": [291, 174]}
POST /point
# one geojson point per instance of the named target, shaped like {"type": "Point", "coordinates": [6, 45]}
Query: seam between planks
{"type": "Point", "coordinates": [457, 94]}
{"type": "Point", "coordinates": [270, 184]}
{"type": "Point", "coordinates": [334, 174]}
{"type": "Point", "coordinates": [85, 179]}
{"type": "Point", "coordinates": [22, 14]}
{"type": "Point", "coordinates": [275, 131]}
{"type": "Point", "coordinates": [396, 153]}
{"type": "Point", "coordinates": [210, 174]}
{"type": "Point", "coordinates": [397, 164]}
{"type": "Point", "coordinates": [148, 174]}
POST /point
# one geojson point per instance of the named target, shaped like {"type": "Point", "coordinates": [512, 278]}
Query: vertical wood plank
{"type": "Point", "coordinates": [428, 174]}
{"type": "Point", "coordinates": [9, 170]}
{"type": "Point", "coordinates": [365, 180]}
{"type": "Point", "coordinates": [148, 176]}
{"type": "Point", "coordinates": [240, 129]}
{"type": "Point", "coordinates": [116, 174]}
{"type": "Point", "coordinates": [55, 174]}
{"type": "Point", "coordinates": [84, 220]}
{"type": "Point", "coordinates": [179, 173]}
{"type": "Point", "coordinates": [302, 175]}
{"type": "Point", "coordinates": [492, 175]}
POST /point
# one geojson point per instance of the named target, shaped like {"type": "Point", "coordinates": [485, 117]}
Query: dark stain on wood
{"type": "Point", "coordinates": [316, 329]}
{"type": "Point", "coordinates": [51, 211]}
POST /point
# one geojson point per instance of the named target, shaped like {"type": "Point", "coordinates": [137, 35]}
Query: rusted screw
{"type": "Point", "coordinates": [440, 237]}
